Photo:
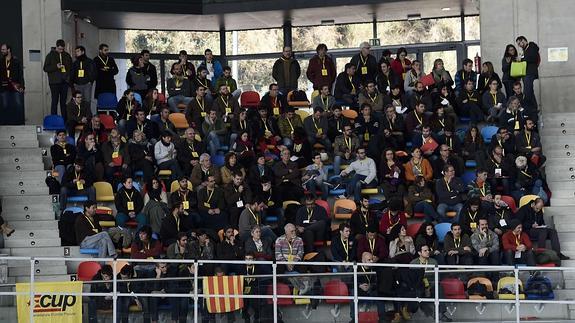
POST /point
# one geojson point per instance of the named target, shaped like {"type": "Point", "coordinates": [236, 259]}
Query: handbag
{"type": "Point", "coordinates": [518, 69]}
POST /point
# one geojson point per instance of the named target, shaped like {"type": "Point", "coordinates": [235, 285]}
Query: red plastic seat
{"type": "Point", "coordinates": [325, 205]}
{"type": "Point", "coordinates": [510, 201]}
{"type": "Point", "coordinates": [107, 121]}
{"type": "Point", "coordinates": [282, 289]}
{"type": "Point", "coordinates": [418, 215]}
{"type": "Point", "coordinates": [336, 288]}
{"type": "Point", "coordinates": [368, 317]}
{"type": "Point", "coordinates": [412, 229]}
{"type": "Point", "coordinates": [87, 270]}
{"type": "Point", "coordinates": [161, 97]}
{"type": "Point", "coordinates": [453, 288]}
{"type": "Point", "coordinates": [250, 99]}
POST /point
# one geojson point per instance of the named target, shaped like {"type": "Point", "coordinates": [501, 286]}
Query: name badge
{"type": "Point", "coordinates": [473, 225]}
{"type": "Point", "coordinates": [290, 258]}
{"type": "Point", "coordinates": [276, 111]}
{"type": "Point", "coordinates": [79, 185]}
{"type": "Point", "coordinates": [65, 151]}
{"type": "Point", "coordinates": [517, 254]}
{"type": "Point", "coordinates": [229, 90]}
{"type": "Point", "coordinates": [63, 69]}
{"type": "Point", "coordinates": [115, 154]}
{"type": "Point", "coordinates": [186, 204]}
{"type": "Point", "coordinates": [240, 203]}
{"type": "Point", "coordinates": [195, 154]}
{"type": "Point", "coordinates": [527, 147]}
{"type": "Point", "coordinates": [364, 70]}
{"type": "Point", "coordinates": [271, 203]}
{"type": "Point", "coordinates": [305, 221]}
{"type": "Point", "coordinates": [247, 290]}
{"type": "Point", "coordinates": [323, 72]}
{"type": "Point", "coordinates": [178, 88]}
{"type": "Point", "coordinates": [203, 114]}
{"type": "Point", "coordinates": [130, 206]}
{"type": "Point", "coordinates": [206, 204]}
{"type": "Point", "coordinates": [503, 223]}
{"type": "Point", "coordinates": [80, 73]}
{"type": "Point", "coordinates": [498, 171]}
{"type": "Point", "coordinates": [516, 127]}
{"type": "Point", "coordinates": [366, 136]}
{"type": "Point", "coordinates": [228, 110]}
{"type": "Point", "coordinates": [319, 131]}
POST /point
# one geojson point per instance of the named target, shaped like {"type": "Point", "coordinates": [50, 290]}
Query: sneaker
{"type": "Point", "coordinates": [563, 257]}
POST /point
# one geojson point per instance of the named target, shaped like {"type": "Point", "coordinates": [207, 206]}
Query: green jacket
{"type": "Point", "coordinates": [230, 82]}
{"type": "Point", "coordinates": [56, 75]}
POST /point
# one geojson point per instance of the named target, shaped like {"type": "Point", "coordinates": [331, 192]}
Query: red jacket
{"type": "Point", "coordinates": [510, 242]}
{"type": "Point", "coordinates": [386, 222]}
{"type": "Point", "coordinates": [314, 72]}
{"type": "Point", "coordinates": [142, 251]}
{"type": "Point", "coordinates": [398, 68]}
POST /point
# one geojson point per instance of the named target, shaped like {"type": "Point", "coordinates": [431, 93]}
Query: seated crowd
{"type": "Point", "coordinates": [255, 183]}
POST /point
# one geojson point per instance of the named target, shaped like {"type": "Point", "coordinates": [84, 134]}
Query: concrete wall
{"type": "Point", "coordinates": [41, 27]}
{"type": "Point", "coordinates": [550, 24]}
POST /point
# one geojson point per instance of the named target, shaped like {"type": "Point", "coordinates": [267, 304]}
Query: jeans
{"type": "Point", "coordinates": [288, 142]}
{"type": "Point", "coordinates": [122, 218]}
{"type": "Point", "coordinates": [312, 187]}
{"type": "Point", "coordinates": [527, 258]}
{"type": "Point", "coordinates": [325, 142]}
{"type": "Point", "coordinates": [59, 92]}
{"type": "Point", "coordinates": [12, 109]}
{"type": "Point", "coordinates": [213, 143]}
{"type": "Point", "coordinates": [233, 138]}
{"type": "Point", "coordinates": [443, 208]}
{"type": "Point", "coordinates": [173, 166]}
{"type": "Point", "coordinates": [179, 309]}
{"type": "Point", "coordinates": [355, 185]}
{"type": "Point", "coordinates": [173, 102]}
{"type": "Point", "coordinates": [427, 209]}
{"type": "Point", "coordinates": [337, 161]}
{"type": "Point", "coordinates": [529, 91]}
{"type": "Point", "coordinates": [61, 169]}
{"type": "Point", "coordinates": [102, 242]}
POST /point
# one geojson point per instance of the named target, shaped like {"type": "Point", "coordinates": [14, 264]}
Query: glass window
{"type": "Point", "coordinates": [255, 74]}
{"type": "Point", "coordinates": [472, 30]}
{"type": "Point", "coordinates": [472, 51]}
{"type": "Point", "coordinates": [336, 36]}
{"type": "Point", "coordinates": [419, 31]}
{"type": "Point", "coordinates": [449, 61]}
{"type": "Point", "coordinates": [254, 41]}
{"type": "Point", "coordinates": [340, 62]}
{"type": "Point", "coordinates": [170, 42]}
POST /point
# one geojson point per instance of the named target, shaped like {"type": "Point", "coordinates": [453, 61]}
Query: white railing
{"type": "Point", "coordinates": [517, 302]}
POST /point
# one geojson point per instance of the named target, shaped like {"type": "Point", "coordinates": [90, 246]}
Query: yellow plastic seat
{"type": "Point", "coordinates": [165, 173]}
{"type": "Point", "coordinates": [509, 281]}
{"type": "Point", "coordinates": [370, 191]}
{"type": "Point", "coordinates": [286, 203]}
{"type": "Point", "coordinates": [451, 214]}
{"type": "Point", "coordinates": [526, 199]}
{"type": "Point", "coordinates": [107, 224]}
{"type": "Point", "coordinates": [176, 186]}
{"type": "Point", "coordinates": [302, 114]}
{"type": "Point", "coordinates": [119, 264]}
{"type": "Point", "coordinates": [104, 192]}
{"type": "Point", "coordinates": [179, 120]}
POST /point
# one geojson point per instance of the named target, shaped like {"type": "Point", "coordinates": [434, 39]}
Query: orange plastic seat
{"type": "Point", "coordinates": [338, 209]}
{"type": "Point", "coordinates": [510, 201]}
{"type": "Point", "coordinates": [87, 270]}
{"type": "Point", "coordinates": [179, 120]}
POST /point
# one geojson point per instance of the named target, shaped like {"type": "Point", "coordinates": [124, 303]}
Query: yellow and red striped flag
{"type": "Point", "coordinates": [224, 285]}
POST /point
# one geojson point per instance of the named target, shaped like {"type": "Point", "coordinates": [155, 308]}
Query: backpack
{"type": "Point", "coordinates": [539, 287]}
{"type": "Point", "coordinates": [66, 228]}
{"type": "Point", "coordinates": [479, 288]}
{"type": "Point", "coordinates": [298, 95]}
{"type": "Point", "coordinates": [53, 185]}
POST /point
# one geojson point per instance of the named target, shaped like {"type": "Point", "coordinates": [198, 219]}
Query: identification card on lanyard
{"type": "Point", "coordinates": [364, 70]}
{"type": "Point", "coordinates": [130, 206]}
{"type": "Point", "coordinates": [195, 154]}
{"type": "Point", "coordinates": [276, 111]}
{"type": "Point", "coordinates": [186, 204]}
{"type": "Point", "coordinates": [80, 73]}
{"type": "Point", "coordinates": [323, 72]}
{"type": "Point", "coordinates": [79, 185]}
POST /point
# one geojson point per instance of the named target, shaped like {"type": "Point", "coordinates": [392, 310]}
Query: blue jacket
{"type": "Point", "coordinates": [218, 71]}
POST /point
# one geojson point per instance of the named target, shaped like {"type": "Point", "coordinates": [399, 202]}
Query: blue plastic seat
{"type": "Point", "coordinates": [138, 98]}
{"type": "Point", "coordinates": [374, 201]}
{"type": "Point", "coordinates": [139, 173]}
{"type": "Point", "coordinates": [441, 230]}
{"type": "Point", "coordinates": [77, 198]}
{"type": "Point", "coordinates": [271, 219]}
{"type": "Point", "coordinates": [338, 192]}
{"type": "Point", "coordinates": [464, 120]}
{"type": "Point", "coordinates": [488, 132]}
{"type": "Point", "coordinates": [74, 209]}
{"type": "Point", "coordinates": [468, 177]}
{"type": "Point", "coordinates": [218, 160]}
{"type": "Point", "coordinates": [88, 251]}
{"type": "Point", "coordinates": [107, 101]}
{"type": "Point", "coordinates": [470, 163]}
{"type": "Point", "coordinates": [224, 148]}
{"type": "Point", "coordinates": [53, 122]}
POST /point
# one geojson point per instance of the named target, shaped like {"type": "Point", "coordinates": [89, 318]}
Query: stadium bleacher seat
{"type": "Point", "coordinates": [325, 205]}
{"type": "Point", "coordinates": [413, 228]}
{"type": "Point", "coordinates": [526, 199]}
{"type": "Point", "coordinates": [250, 99]}
{"type": "Point", "coordinates": [107, 121]}
{"type": "Point", "coordinates": [349, 113]}
{"type": "Point", "coordinates": [302, 114]}
{"type": "Point", "coordinates": [281, 289]}
{"type": "Point", "coordinates": [468, 177]}
{"type": "Point", "coordinates": [343, 208]}
{"type": "Point", "coordinates": [218, 160]}
{"type": "Point", "coordinates": [470, 163]}
{"type": "Point", "coordinates": [88, 251]}
{"type": "Point", "coordinates": [77, 198]}
{"type": "Point", "coordinates": [175, 185]}
{"type": "Point", "coordinates": [138, 98]}
{"type": "Point", "coordinates": [87, 269]}
{"type": "Point", "coordinates": [107, 102]}
{"type": "Point", "coordinates": [53, 122]}
{"type": "Point", "coordinates": [336, 287]}
{"type": "Point", "coordinates": [441, 230]}
{"type": "Point", "coordinates": [488, 132]}
{"type": "Point", "coordinates": [104, 192]}
{"type": "Point", "coordinates": [510, 201]}
{"type": "Point", "coordinates": [179, 120]}
{"type": "Point", "coordinates": [453, 288]}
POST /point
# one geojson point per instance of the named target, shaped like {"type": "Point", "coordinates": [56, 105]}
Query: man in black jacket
{"type": "Point", "coordinates": [83, 75]}
{"type": "Point", "coordinates": [365, 64]}
{"type": "Point", "coordinates": [531, 56]}
{"type": "Point", "coordinates": [531, 216]}
{"type": "Point", "coordinates": [11, 87]}
{"type": "Point", "coordinates": [57, 65]}
{"type": "Point", "coordinates": [150, 70]}
{"type": "Point", "coordinates": [96, 303]}
{"type": "Point", "coordinates": [76, 181]}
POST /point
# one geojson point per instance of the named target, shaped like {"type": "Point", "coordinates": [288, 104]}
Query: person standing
{"type": "Point", "coordinates": [213, 66]}
{"type": "Point", "coordinates": [365, 63]}
{"type": "Point", "coordinates": [57, 65]}
{"type": "Point", "coordinates": [321, 69]}
{"type": "Point", "coordinates": [11, 88]}
{"type": "Point", "coordinates": [286, 71]}
{"type": "Point", "coordinates": [149, 70]}
{"type": "Point", "coordinates": [82, 75]}
{"type": "Point", "coordinates": [106, 68]}
{"type": "Point", "coordinates": [531, 56]}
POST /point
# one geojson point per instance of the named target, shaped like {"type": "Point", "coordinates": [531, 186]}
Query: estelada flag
{"type": "Point", "coordinates": [224, 285]}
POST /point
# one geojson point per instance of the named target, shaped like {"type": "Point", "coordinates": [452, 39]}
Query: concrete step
{"type": "Point", "coordinates": [34, 234]}
{"type": "Point", "coordinates": [555, 119]}
{"type": "Point", "coordinates": [34, 225]}
{"type": "Point", "coordinates": [23, 167]}
{"type": "Point", "coordinates": [46, 214]}
{"type": "Point", "coordinates": [558, 153]}
{"type": "Point", "coordinates": [557, 141]}
{"type": "Point", "coordinates": [24, 205]}
{"type": "Point", "coordinates": [37, 263]}
{"type": "Point", "coordinates": [43, 251]}
{"type": "Point", "coordinates": [557, 201]}
{"type": "Point", "coordinates": [31, 243]}
{"type": "Point", "coordinates": [558, 186]}
{"type": "Point", "coordinates": [25, 190]}
{"type": "Point", "coordinates": [565, 130]}
{"type": "Point", "coordinates": [564, 227]}
{"type": "Point", "coordinates": [19, 143]}
{"type": "Point", "coordinates": [563, 193]}
{"type": "Point", "coordinates": [47, 278]}
{"type": "Point", "coordinates": [45, 271]}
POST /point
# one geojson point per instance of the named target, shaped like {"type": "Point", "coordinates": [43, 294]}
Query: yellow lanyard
{"type": "Point", "coordinates": [275, 102]}
{"type": "Point", "coordinates": [203, 84]}
{"type": "Point", "coordinates": [290, 125]}
{"type": "Point", "coordinates": [254, 216]}
{"type": "Point", "coordinates": [91, 223]}
{"type": "Point", "coordinates": [211, 193]}
{"type": "Point", "coordinates": [79, 109]}
{"type": "Point", "coordinates": [482, 189]}
{"type": "Point", "coordinates": [501, 215]}
{"type": "Point", "coordinates": [371, 245]}
{"type": "Point", "coordinates": [345, 244]}
{"type": "Point", "coordinates": [106, 62]}
{"type": "Point", "coordinates": [447, 184]}
{"type": "Point", "coordinates": [391, 224]}
{"type": "Point", "coordinates": [494, 96]}
{"type": "Point", "coordinates": [202, 105]}
{"type": "Point", "coordinates": [372, 99]}
{"type": "Point", "coordinates": [494, 162]}
{"type": "Point", "coordinates": [442, 122]}
{"type": "Point", "coordinates": [178, 82]}
{"type": "Point", "coordinates": [226, 103]}
{"type": "Point", "coordinates": [364, 215]}
{"type": "Point", "coordinates": [290, 249]}
{"type": "Point", "coordinates": [243, 124]}
{"type": "Point", "coordinates": [472, 218]}
{"type": "Point", "coordinates": [420, 120]}
{"type": "Point", "coordinates": [129, 106]}
{"type": "Point", "coordinates": [517, 240]}
{"type": "Point", "coordinates": [352, 86]}
{"type": "Point", "coordinates": [347, 142]}
{"type": "Point", "coordinates": [457, 242]}
{"type": "Point", "coordinates": [309, 215]}
{"type": "Point", "coordinates": [129, 196]}
{"type": "Point", "coordinates": [486, 81]}
{"type": "Point", "coordinates": [322, 63]}
{"type": "Point", "coordinates": [140, 127]}
{"type": "Point", "coordinates": [315, 124]}
{"type": "Point", "coordinates": [265, 124]}
{"type": "Point", "coordinates": [390, 124]}
{"type": "Point", "coordinates": [526, 174]}
{"type": "Point", "coordinates": [81, 66]}
{"type": "Point", "coordinates": [363, 61]}
{"type": "Point", "coordinates": [366, 276]}
{"type": "Point", "coordinates": [8, 63]}
{"type": "Point", "coordinates": [177, 218]}
{"type": "Point", "coordinates": [324, 102]}
{"type": "Point", "coordinates": [61, 58]}
{"type": "Point", "coordinates": [77, 175]}
{"type": "Point", "coordinates": [528, 137]}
